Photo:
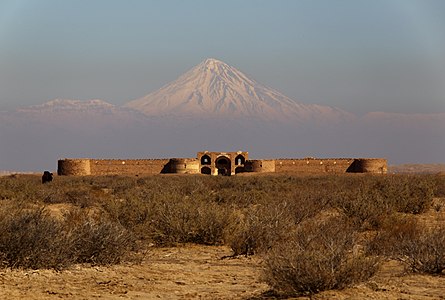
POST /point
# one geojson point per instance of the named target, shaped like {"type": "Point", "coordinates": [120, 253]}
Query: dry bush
{"type": "Point", "coordinates": [419, 247]}
{"type": "Point", "coordinates": [370, 200]}
{"type": "Point", "coordinates": [439, 185]}
{"type": "Point", "coordinates": [19, 188]}
{"type": "Point", "coordinates": [407, 194]}
{"type": "Point", "coordinates": [32, 238]}
{"type": "Point", "coordinates": [258, 228]}
{"type": "Point", "coordinates": [97, 241]}
{"type": "Point", "coordinates": [176, 219]}
{"type": "Point", "coordinates": [132, 213]}
{"type": "Point", "coordinates": [319, 257]}
{"type": "Point", "coordinates": [364, 207]}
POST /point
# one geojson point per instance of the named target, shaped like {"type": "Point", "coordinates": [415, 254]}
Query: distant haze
{"type": "Point", "coordinates": [359, 56]}
{"type": "Point", "coordinates": [215, 107]}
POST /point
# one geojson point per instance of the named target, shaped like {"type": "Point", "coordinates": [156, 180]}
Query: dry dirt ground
{"type": "Point", "coordinates": [196, 272]}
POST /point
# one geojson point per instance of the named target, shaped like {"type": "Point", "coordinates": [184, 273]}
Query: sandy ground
{"type": "Point", "coordinates": [196, 272]}
{"type": "Point", "coordinates": [186, 272]}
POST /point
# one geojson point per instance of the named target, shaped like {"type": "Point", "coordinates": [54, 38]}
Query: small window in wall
{"type": "Point", "coordinates": [239, 160]}
{"type": "Point", "coordinates": [205, 160]}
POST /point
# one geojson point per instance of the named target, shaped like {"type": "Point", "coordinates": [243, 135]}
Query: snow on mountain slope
{"type": "Point", "coordinates": [215, 89]}
{"type": "Point", "coordinates": [77, 113]}
{"type": "Point", "coordinates": [68, 105]}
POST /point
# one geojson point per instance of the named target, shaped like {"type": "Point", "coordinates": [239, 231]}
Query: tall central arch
{"type": "Point", "coordinates": [223, 165]}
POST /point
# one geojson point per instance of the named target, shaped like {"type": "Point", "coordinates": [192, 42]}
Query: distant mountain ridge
{"type": "Point", "coordinates": [211, 107]}
{"type": "Point", "coordinates": [215, 89]}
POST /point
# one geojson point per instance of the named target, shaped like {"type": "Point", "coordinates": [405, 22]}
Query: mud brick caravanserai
{"type": "Point", "coordinates": [220, 163]}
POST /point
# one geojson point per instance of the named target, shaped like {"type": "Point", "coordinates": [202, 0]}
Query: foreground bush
{"type": "Point", "coordinates": [319, 257]}
{"type": "Point", "coordinates": [419, 247]}
{"type": "Point", "coordinates": [32, 238]}
{"type": "Point", "coordinates": [187, 220]}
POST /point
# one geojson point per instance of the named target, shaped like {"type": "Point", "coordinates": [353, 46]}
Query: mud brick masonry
{"type": "Point", "coordinates": [220, 163]}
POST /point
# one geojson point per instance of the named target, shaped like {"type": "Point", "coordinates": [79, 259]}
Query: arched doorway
{"type": "Point", "coordinates": [206, 170]}
{"type": "Point", "coordinates": [223, 165]}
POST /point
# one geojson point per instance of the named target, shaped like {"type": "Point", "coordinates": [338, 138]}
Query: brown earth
{"type": "Point", "coordinates": [196, 272]}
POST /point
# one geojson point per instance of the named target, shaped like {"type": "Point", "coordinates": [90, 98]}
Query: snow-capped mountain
{"type": "Point", "coordinates": [67, 110]}
{"type": "Point", "coordinates": [84, 115]}
{"type": "Point", "coordinates": [60, 105]}
{"type": "Point", "coordinates": [215, 89]}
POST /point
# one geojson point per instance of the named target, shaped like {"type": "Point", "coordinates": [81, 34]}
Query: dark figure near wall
{"type": "Point", "coordinates": [47, 177]}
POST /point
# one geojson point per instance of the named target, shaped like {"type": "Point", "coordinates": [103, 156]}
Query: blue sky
{"type": "Point", "coordinates": [361, 56]}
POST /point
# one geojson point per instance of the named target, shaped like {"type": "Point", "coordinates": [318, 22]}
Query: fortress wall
{"type": "Point", "coordinates": [184, 166]}
{"type": "Point", "coordinates": [128, 166]}
{"type": "Point", "coordinates": [82, 167]}
{"type": "Point", "coordinates": [313, 165]}
{"type": "Point", "coordinates": [78, 167]}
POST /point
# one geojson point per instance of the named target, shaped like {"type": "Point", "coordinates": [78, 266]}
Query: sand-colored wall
{"type": "Point", "coordinates": [313, 165]}
{"type": "Point", "coordinates": [128, 166]}
{"type": "Point", "coordinates": [193, 166]}
{"type": "Point", "coordinates": [112, 166]}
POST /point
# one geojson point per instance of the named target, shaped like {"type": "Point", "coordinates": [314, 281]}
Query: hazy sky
{"type": "Point", "coordinates": [379, 55]}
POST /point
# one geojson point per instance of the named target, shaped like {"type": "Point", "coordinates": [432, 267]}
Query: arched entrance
{"type": "Point", "coordinates": [206, 170]}
{"type": "Point", "coordinates": [223, 165]}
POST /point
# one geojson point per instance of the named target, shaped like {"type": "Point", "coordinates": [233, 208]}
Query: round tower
{"type": "Point", "coordinates": [184, 166]}
{"type": "Point", "coordinates": [370, 165]}
{"type": "Point", "coordinates": [78, 167]}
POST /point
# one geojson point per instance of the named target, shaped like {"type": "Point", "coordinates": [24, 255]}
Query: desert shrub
{"type": "Point", "coordinates": [439, 185]}
{"type": "Point", "coordinates": [30, 238]}
{"type": "Point", "coordinates": [369, 200]}
{"type": "Point", "coordinates": [19, 187]}
{"type": "Point", "coordinates": [364, 207]}
{"type": "Point", "coordinates": [318, 257]}
{"type": "Point", "coordinates": [132, 213]}
{"type": "Point", "coordinates": [176, 219]}
{"type": "Point", "coordinates": [406, 194]}
{"type": "Point", "coordinates": [258, 228]}
{"type": "Point", "coordinates": [419, 247]}
{"type": "Point", "coordinates": [96, 241]}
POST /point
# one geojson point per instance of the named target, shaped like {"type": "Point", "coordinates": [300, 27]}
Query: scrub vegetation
{"type": "Point", "coordinates": [314, 233]}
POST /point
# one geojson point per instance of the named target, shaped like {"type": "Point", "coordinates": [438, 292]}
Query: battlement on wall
{"type": "Point", "coordinates": [220, 163]}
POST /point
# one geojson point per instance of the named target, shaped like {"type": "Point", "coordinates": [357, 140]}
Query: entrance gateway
{"type": "Point", "coordinates": [222, 163]}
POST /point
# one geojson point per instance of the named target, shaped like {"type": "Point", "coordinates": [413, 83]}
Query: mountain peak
{"type": "Point", "coordinates": [215, 89]}
{"type": "Point", "coordinates": [212, 64]}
